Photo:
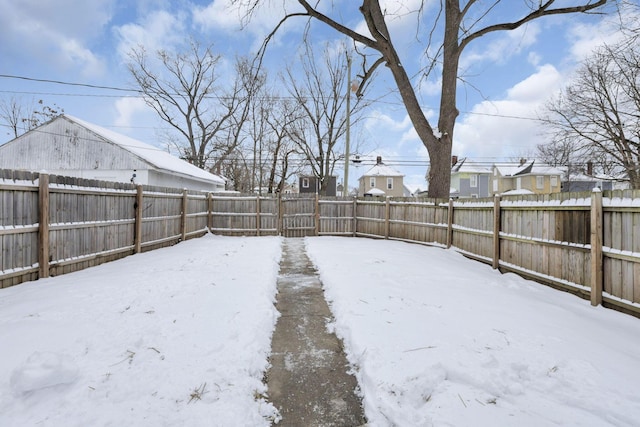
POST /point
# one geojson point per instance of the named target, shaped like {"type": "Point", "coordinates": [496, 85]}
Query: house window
{"type": "Point", "coordinates": [389, 183]}
{"type": "Point", "coordinates": [473, 181]}
{"type": "Point", "coordinates": [305, 182]}
{"type": "Point", "coordinates": [540, 182]}
{"type": "Point", "coordinates": [372, 182]}
{"type": "Point", "coordinates": [495, 185]}
{"type": "Point", "coordinates": [554, 181]}
{"type": "Point", "coordinates": [518, 183]}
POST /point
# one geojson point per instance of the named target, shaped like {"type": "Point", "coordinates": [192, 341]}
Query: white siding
{"type": "Point", "coordinates": [61, 144]}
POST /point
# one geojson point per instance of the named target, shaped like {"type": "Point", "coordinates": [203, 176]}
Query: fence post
{"type": "Point", "coordinates": [450, 224]}
{"type": "Point", "coordinates": [258, 215]}
{"type": "Point", "coordinates": [280, 226]}
{"type": "Point", "coordinates": [496, 231]}
{"type": "Point", "coordinates": [355, 216]}
{"type": "Point", "coordinates": [596, 247]}
{"type": "Point", "coordinates": [317, 215]}
{"type": "Point", "coordinates": [137, 226]}
{"type": "Point", "coordinates": [210, 211]}
{"type": "Point", "coordinates": [387, 214]}
{"type": "Point", "coordinates": [43, 228]}
{"type": "Point", "coordinates": [183, 216]}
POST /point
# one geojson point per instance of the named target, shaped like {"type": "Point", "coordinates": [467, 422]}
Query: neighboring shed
{"type": "Point", "coordinates": [381, 177]}
{"type": "Point", "coordinates": [72, 147]}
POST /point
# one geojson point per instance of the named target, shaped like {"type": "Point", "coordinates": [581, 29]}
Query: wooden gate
{"type": "Point", "coordinates": [298, 214]}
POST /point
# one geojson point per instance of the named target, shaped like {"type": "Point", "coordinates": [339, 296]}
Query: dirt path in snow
{"type": "Point", "coordinates": [308, 381]}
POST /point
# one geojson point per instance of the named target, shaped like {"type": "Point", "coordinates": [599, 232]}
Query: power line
{"type": "Point", "coordinates": [59, 82]}
{"type": "Point", "coordinates": [140, 94]}
{"type": "Point", "coordinates": [80, 95]}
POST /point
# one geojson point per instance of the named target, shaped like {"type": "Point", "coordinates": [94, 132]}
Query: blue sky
{"type": "Point", "coordinates": [510, 74]}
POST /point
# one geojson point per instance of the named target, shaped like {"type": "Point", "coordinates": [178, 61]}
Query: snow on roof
{"type": "Point", "coordinates": [590, 178]}
{"type": "Point", "coordinates": [376, 192]}
{"type": "Point", "coordinates": [381, 169]}
{"type": "Point", "coordinates": [517, 192]}
{"type": "Point", "coordinates": [153, 155]}
{"type": "Point", "coordinates": [465, 166]}
{"type": "Point", "coordinates": [511, 169]}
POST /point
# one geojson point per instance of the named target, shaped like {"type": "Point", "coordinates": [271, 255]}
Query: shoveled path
{"type": "Point", "coordinates": [308, 380]}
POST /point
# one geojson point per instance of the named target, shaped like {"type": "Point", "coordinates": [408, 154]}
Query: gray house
{"type": "Point", "coordinates": [311, 184]}
{"type": "Point", "coordinates": [72, 147]}
{"type": "Point", "coordinates": [469, 179]}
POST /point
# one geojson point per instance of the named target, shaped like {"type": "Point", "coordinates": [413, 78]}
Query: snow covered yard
{"type": "Point", "coordinates": [177, 336]}
{"type": "Point", "coordinates": [181, 336]}
{"type": "Point", "coordinates": [441, 340]}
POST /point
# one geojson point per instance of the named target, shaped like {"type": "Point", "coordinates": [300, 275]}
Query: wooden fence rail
{"type": "Point", "coordinates": [584, 243]}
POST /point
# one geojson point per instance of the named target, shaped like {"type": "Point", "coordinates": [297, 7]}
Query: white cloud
{"type": "Point", "coordinates": [585, 38]}
{"type": "Point", "coordinates": [127, 109]}
{"type": "Point", "coordinates": [218, 14]}
{"type": "Point", "coordinates": [502, 47]}
{"type": "Point", "coordinates": [507, 128]}
{"type": "Point", "coordinates": [59, 33]}
{"type": "Point", "coordinates": [231, 17]}
{"type": "Point", "coordinates": [157, 30]}
{"type": "Point", "coordinates": [379, 120]}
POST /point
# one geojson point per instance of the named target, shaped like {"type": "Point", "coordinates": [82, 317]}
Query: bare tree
{"type": "Point", "coordinates": [21, 117]}
{"type": "Point", "coordinates": [281, 146]}
{"type": "Point", "coordinates": [598, 114]}
{"type": "Point", "coordinates": [464, 22]}
{"type": "Point", "coordinates": [183, 91]}
{"type": "Point", "coordinates": [319, 90]}
{"type": "Point", "coordinates": [261, 159]}
{"type": "Point", "coordinates": [11, 115]}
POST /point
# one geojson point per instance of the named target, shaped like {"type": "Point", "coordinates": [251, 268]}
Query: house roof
{"type": "Point", "coordinates": [466, 166]}
{"type": "Point", "coordinates": [521, 191]}
{"type": "Point", "coordinates": [154, 156]}
{"type": "Point", "coordinates": [380, 169]}
{"type": "Point", "coordinates": [511, 169]}
{"type": "Point", "coordinates": [376, 192]}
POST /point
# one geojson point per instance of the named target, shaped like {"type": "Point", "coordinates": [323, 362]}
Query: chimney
{"type": "Point", "coordinates": [522, 161]}
{"type": "Point", "coordinates": [379, 160]}
{"type": "Point", "coordinates": [454, 160]}
{"type": "Point", "coordinates": [590, 168]}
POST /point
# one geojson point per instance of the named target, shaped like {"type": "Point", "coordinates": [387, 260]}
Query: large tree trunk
{"type": "Point", "coordinates": [437, 146]}
{"type": "Point", "coordinates": [440, 171]}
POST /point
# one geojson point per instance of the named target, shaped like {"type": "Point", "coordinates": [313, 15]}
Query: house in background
{"type": "Point", "coordinates": [71, 147]}
{"type": "Point", "coordinates": [289, 188]}
{"type": "Point", "coordinates": [469, 179]}
{"type": "Point", "coordinates": [311, 184]}
{"type": "Point", "coordinates": [587, 181]}
{"type": "Point", "coordinates": [381, 180]}
{"type": "Point", "coordinates": [526, 176]}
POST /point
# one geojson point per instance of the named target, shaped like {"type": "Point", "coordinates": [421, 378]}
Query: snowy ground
{"type": "Point", "coordinates": [181, 336]}
{"type": "Point", "coordinates": [177, 336]}
{"type": "Point", "coordinates": [441, 340]}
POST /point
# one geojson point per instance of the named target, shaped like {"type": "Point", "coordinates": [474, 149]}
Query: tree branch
{"type": "Point", "coordinates": [543, 10]}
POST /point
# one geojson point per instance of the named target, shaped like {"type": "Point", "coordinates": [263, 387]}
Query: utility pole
{"type": "Point", "coordinates": [345, 185]}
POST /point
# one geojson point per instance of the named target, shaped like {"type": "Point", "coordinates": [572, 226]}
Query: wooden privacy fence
{"type": "Point", "coordinates": [51, 225]}
{"type": "Point", "coordinates": [584, 243]}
